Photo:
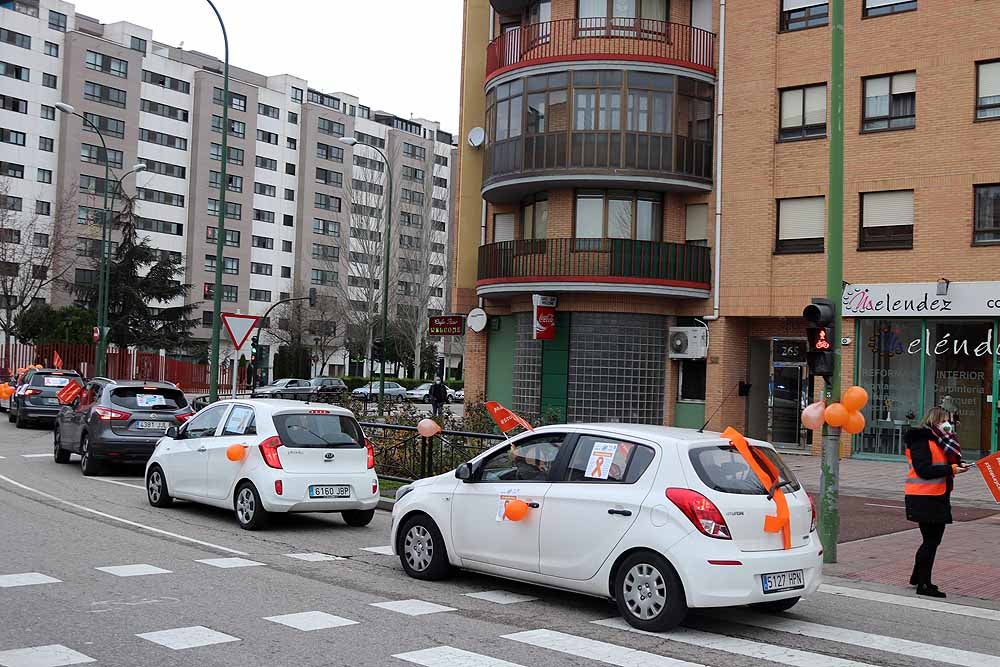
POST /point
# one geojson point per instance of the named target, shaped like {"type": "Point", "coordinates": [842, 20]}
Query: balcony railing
{"type": "Point", "coordinates": [642, 40]}
{"type": "Point", "coordinates": [596, 260]}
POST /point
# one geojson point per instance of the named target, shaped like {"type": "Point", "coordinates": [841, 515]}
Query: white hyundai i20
{"type": "Point", "coordinates": [261, 456]}
{"type": "Point", "coordinates": [659, 519]}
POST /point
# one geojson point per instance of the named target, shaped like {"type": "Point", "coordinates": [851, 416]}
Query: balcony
{"type": "Point", "coordinates": [620, 39]}
{"type": "Point", "coordinates": [620, 266]}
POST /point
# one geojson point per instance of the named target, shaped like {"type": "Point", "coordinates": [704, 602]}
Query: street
{"type": "Point", "coordinates": [90, 572]}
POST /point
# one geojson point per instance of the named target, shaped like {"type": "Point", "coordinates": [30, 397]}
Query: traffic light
{"type": "Point", "coordinates": [312, 297]}
{"type": "Point", "coordinates": [378, 349]}
{"type": "Point", "coordinates": [253, 350]}
{"type": "Point", "coordinates": [819, 316]}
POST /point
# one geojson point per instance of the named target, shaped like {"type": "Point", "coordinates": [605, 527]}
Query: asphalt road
{"type": "Point", "coordinates": [57, 528]}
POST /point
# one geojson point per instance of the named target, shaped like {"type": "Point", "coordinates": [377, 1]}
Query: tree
{"type": "Point", "coordinates": [304, 326]}
{"type": "Point", "coordinates": [43, 324]}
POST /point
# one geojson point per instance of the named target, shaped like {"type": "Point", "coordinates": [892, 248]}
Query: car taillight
{"type": "Point", "coordinates": [269, 450]}
{"type": "Point", "coordinates": [32, 392]}
{"type": "Point", "coordinates": [107, 414]}
{"type": "Point", "coordinates": [184, 416]}
{"type": "Point", "coordinates": [702, 512]}
{"type": "Point", "coordinates": [371, 453]}
{"type": "Point", "coordinates": [812, 506]}
{"type": "Point", "coordinates": [279, 487]}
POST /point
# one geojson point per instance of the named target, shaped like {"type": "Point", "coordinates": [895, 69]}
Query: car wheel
{"type": "Point", "coordinates": [776, 606]}
{"type": "Point", "coordinates": [649, 593]}
{"type": "Point", "coordinates": [58, 453]}
{"type": "Point", "coordinates": [421, 549]}
{"type": "Point", "coordinates": [10, 413]}
{"type": "Point", "coordinates": [358, 518]}
{"type": "Point", "coordinates": [156, 488]}
{"type": "Point", "coordinates": [20, 421]}
{"type": "Point", "coordinates": [249, 511]}
{"type": "Point", "coordinates": [88, 466]}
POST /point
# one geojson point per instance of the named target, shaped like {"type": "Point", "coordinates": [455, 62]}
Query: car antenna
{"type": "Point", "coordinates": [721, 405]}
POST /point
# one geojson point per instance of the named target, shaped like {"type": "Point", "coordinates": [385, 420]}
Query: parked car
{"type": "Point", "coordinates": [35, 397]}
{"type": "Point", "coordinates": [117, 421]}
{"type": "Point", "coordinates": [422, 394]}
{"type": "Point", "coordinates": [295, 458]}
{"type": "Point", "coordinates": [658, 519]}
{"type": "Point", "coordinates": [277, 388]}
{"type": "Point", "coordinates": [460, 395]}
{"type": "Point", "coordinates": [393, 391]}
{"type": "Point", "coordinates": [323, 389]}
{"type": "Point", "coordinates": [14, 382]}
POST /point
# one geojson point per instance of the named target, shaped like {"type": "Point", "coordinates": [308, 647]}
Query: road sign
{"type": "Point", "coordinates": [97, 334]}
{"type": "Point", "coordinates": [447, 325]}
{"type": "Point", "coordinates": [239, 327]}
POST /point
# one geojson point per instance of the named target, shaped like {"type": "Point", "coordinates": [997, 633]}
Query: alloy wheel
{"type": "Point", "coordinates": [644, 591]}
{"type": "Point", "coordinates": [155, 486]}
{"type": "Point", "coordinates": [245, 505]}
{"type": "Point", "coordinates": [418, 548]}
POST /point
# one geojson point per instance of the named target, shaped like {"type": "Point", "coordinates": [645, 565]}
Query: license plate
{"type": "Point", "coordinates": [153, 426]}
{"type": "Point", "coordinates": [783, 581]}
{"type": "Point", "coordinates": [51, 401]}
{"type": "Point", "coordinates": [329, 491]}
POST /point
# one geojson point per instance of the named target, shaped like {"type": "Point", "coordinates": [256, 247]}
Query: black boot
{"type": "Point", "coordinates": [930, 590]}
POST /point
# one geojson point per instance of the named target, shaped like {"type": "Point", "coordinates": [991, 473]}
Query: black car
{"type": "Point", "coordinates": [35, 398]}
{"type": "Point", "coordinates": [321, 389]}
{"type": "Point", "coordinates": [117, 421]}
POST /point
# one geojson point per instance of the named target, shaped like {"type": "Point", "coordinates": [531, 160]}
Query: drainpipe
{"type": "Point", "coordinates": [719, 121]}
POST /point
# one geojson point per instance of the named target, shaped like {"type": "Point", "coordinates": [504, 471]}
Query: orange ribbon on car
{"type": "Point", "coordinates": [782, 521]}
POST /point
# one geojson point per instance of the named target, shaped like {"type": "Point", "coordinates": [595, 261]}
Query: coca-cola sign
{"type": "Point", "coordinates": [544, 317]}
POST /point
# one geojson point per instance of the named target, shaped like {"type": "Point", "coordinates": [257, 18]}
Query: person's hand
{"type": "Point", "coordinates": [958, 469]}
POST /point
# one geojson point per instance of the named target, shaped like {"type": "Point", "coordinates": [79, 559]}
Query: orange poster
{"type": "Point", "coordinates": [989, 467]}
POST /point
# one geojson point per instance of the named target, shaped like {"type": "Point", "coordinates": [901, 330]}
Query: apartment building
{"type": "Point", "coordinates": [594, 107]}
{"type": "Point", "coordinates": [294, 212]}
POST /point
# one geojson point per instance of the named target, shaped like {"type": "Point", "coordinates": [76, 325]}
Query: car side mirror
{"type": "Point", "coordinates": [464, 472]}
{"type": "Point", "coordinates": [172, 432]}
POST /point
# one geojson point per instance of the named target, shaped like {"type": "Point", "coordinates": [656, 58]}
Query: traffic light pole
{"type": "Point", "coordinates": [829, 507]}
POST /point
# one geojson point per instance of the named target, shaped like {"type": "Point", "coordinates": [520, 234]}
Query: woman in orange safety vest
{"type": "Point", "coordinates": [935, 457]}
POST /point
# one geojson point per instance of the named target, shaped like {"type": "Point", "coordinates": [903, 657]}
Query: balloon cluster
{"type": "Point", "coordinates": [846, 414]}
{"type": "Point", "coordinates": [6, 391]}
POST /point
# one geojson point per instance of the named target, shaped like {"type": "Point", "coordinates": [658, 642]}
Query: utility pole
{"type": "Point", "coordinates": [829, 507]}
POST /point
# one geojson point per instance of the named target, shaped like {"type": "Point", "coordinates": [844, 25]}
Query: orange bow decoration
{"type": "Point", "coordinates": [782, 521]}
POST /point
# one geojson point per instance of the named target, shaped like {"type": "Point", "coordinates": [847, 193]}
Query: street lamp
{"type": "Point", "coordinates": [386, 244]}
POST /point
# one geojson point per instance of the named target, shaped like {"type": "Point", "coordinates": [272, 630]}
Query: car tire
{"type": "Point", "coordinates": [20, 421]}
{"type": "Point", "coordinates": [58, 453]}
{"type": "Point", "coordinates": [157, 492]}
{"type": "Point", "coordinates": [776, 606]}
{"type": "Point", "coordinates": [10, 413]}
{"type": "Point", "coordinates": [358, 518]}
{"type": "Point", "coordinates": [648, 592]}
{"type": "Point", "coordinates": [250, 513]}
{"type": "Point", "coordinates": [421, 549]}
{"type": "Point", "coordinates": [88, 466]}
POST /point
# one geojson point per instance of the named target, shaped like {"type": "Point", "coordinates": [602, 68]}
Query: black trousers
{"type": "Point", "coordinates": [436, 408]}
{"type": "Point", "coordinates": [923, 564]}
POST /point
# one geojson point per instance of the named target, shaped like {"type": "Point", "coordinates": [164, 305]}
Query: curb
{"type": "Point", "coordinates": [386, 504]}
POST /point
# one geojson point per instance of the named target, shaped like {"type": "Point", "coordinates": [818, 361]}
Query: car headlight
{"type": "Point", "coordinates": [402, 491]}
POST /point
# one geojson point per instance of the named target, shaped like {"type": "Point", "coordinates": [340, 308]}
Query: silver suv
{"type": "Point", "coordinates": [117, 421]}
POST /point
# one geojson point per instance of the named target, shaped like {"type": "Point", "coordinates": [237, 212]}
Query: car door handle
{"type": "Point", "coordinates": [202, 449]}
{"type": "Point", "coordinates": [534, 506]}
{"type": "Point", "coordinates": [620, 512]}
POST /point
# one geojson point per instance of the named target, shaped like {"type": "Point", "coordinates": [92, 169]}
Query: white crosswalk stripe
{"type": "Point", "coordinates": [311, 620]}
{"type": "Point", "coordinates": [916, 603]}
{"type": "Point", "coordinates": [752, 649]}
{"type": "Point", "coordinates": [227, 563]}
{"type": "Point", "coordinates": [447, 656]}
{"type": "Point", "coordinates": [26, 579]}
{"type": "Point", "coordinates": [500, 597]}
{"type": "Point", "coordinates": [905, 647]}
{"type": "Point", "coordinates": [383, 551]}
{"type": "Point", "coordinates": [581, 647]}
{"type": "Point", "coordinates": [412, 607]}
{"type": "Point", "coordinates": [313, 557]}
{"type": "Point", "coordinates": [53, 655]}
{"type": "Point", "coordinates": [183, 638]}
{"type": "Point", "coordinates": [35, 456]}
{"type": "Point", "coordinates": [137, 570]}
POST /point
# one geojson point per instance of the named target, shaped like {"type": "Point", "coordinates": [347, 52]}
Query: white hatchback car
{"type": "Point", "coordinates": [658, 519]}
{"type": "Point", "coordinates": [296, 458]}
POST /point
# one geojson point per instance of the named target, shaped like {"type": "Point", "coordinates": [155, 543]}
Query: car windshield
{"type": "Point", "coordinates": [424, 387]}
{"type": "Point", "coordinates": [311, 429]}
{"type": "Point", "coordinates": [148, 398]}
{"type": "Point", "coordinates": [722, 468]}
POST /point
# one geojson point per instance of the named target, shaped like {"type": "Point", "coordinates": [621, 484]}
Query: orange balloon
{"type": "Point", "coordinates": [854, 398]}
{"type": "Point", "coordinates": [515, 510]}
{"type": "Point", "coordinates": [836, 415]}
{"type": "Point", "coordinates": [236, 452]}
{"type": "Point", "coordinates": [855, 423]}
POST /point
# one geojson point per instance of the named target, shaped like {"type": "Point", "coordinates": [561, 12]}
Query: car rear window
{"type": "Point", "coordinates": [148, 398]}
{"type": "Point", "coordinates": [50, 380]}
{"type": "Point", "coordinates": [722, 468]}
{"type": "Point", "coordinates": [318, 429]}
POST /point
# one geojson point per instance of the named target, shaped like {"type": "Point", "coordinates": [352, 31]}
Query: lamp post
{"type": "Point", "coordinates": [213, 386]}
{"type": "Point", "coordinates": [386, 245]}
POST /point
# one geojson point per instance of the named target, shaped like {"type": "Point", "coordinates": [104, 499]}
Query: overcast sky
{"type": "Point", "coordinates": [401, 56]}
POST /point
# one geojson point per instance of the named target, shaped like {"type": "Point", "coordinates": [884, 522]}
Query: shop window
{"type": "Point", "coordinates": [801, 224]}
{"type": "Point", "coordinates": [886, 220]}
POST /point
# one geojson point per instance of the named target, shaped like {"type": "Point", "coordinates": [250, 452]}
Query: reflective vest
{"type": "Point", "coordinates": [917, 485]}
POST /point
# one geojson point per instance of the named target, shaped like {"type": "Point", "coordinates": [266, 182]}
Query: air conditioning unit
{"type": "Point", "coordinates": [688, 342]}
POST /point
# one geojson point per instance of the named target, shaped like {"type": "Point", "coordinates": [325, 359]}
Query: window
{"type": "Point", "coordinates": [297, 95]}
{"type": "Point", "coordinates": [57, 21]}
{"type": "Point", "coordinates": [50, 80]}
{"type": "Point", "coordinates": [160, 226]}
{"type": "Point", "coordinates": [164, 168]}
{"type": "Point", "coordinates": [439, 204]}
{"type": "Point", "coordinates": [40, 240]}
{"type": "Point", "coordinates": [260, 295]}
{"type": "Point", "coordinates": [210, 263]}
{"type": "Point", "coordinates": [440, 182]}
{"type": "Point", "coordinates": [100, 62]}
{"type": "Point", "coordinates": [165, 81]}
{"type": "Point", "coordinates": [234, 183]}
{"type": "Point", "coordinates": [46, 144]}
{"type": "Point", "coordinates": [327, 203]}
{"type": "Point", "coordinates": [15, 38]}
{"type": "Point", "coordinates": [163, 139]}
{"type": "Point", "coordinates": [234, 211]}
{"type": "Point", "coordinates": [43, 208]}
{"type": "Point", "coordinates": [441, 160]}
{"type": "Point", "coordinates": [231, 237]}
{"type": "Point", "coordinates": [368, 234]}
{"type": "Point", "coordinates": [322, 277]}
{"type": "Point", "coordinates": [408, 219]}
{"type": "Point", "coordinates": [327, 177]}
{"type": "Point", "coordinates": [292, 143]}
{"type": "Point", "coordinates": [410, 196]}
{"type": "Point", "coordinates": [802, 14]}
{"type": "Point", "coordinates": [323, 99]}
{"type": "Point", "coordinates": [138, 44]}
{"type": "Point", "coordinates": [110, 127]}
{"type": "Point", "coordinates": [263, 216]}
{"type": "Point", "coordinates": [987, 214]}
{"type": "Point", "coordinates": [15, 71]}
{"type": "Point", "coordinates": [330, 253]}
{"type": "Point", "coordinates": [883, 7]}
{"type": "Point", "coordinates": [265, 190]}
{"type": "Point", "coordinates": [259, 269]}
{"type": "Point", "coordinates": [326, 227]}
{"type": "Point", "coordinates": [293, 118]}
{"type": "Point", "coordinates": [617, 214]}
{"type": "Point", "coordinates": [160, 197]}
{"type": "Point", "coordinates": [13, 137]}
{"type": "Point", "coordinates": [369, 140]}
{"type": "Point", "coordinates": [620, 18]}
{"type": "Point", "coordinates": [268, 110]}
{"type": "Point", "coordinates": [801, 224]}
{"type": "Point", "coordinates": [87, 247]}
{"type": "Point", "coordinates": [164, 110]}
{"type": "Point", "coordinates": [988, 90]}
{"type": "Point", "coordinates": [231, 265]}
{"type": "Point", "coordinates": [803, 113]}
{"type": "Point", "coordinates": [286, 246]}
{"type": "Point", "coordinates": [331, 127]}
{"type": "Point", "coordinates": [409, 242]}
{"type": "Point", "coordinates": [104, 94]}
{"type": "Point", "coordinates": [437, 225]}
{"type": "Point", "coordinates": [369, 211]}
{"type": "Point", "coordinates": [333, 153]}
{"type": "Point", "coordinates": [374, 188]}
{"type": "Point", "coordinates": [48, 113]}
{"type": "Point", "coordinates": [415, 152]}
{"type": "Point", "coordinates": [289, 194]}
{"type": "Point", "coordinates": [437, 247]}
{"type": "Point", "coordinates": [44, 175]}
{"type": "Point", "coordinates": [505, 116]}
{"type": "Point", "coordinates": [724, 469]}
{"type": "Point", "coordinates": [413, 174]}
{"type": "Point", "coordinates": [265, 242]}
{"type": "Point", "coordinates": [696, 224]}
{"type": "Point", "coordinates": [290, 168]}
{"type": "Point", "coordinates": [530, 460]}
{"type": "Point", "coordinates": [267, 163]}
{"type": "Point", "coordinates": [207, 319]}
{"type": "Point", "coordinates": [267, 137]}
{"type": "Point", "coordinates": [230, 293]}
{"type": "Point", "coordinates": [535, 218]}
{"type": "Point", "coordinates": [886, 220]}
{"type": "Point", "coordinates": [52, 49]}
{"type": "Point", "coordinates": [235, 154]}
{"type": "Point", "coordinates": [890, 102]}
{"type": "Point", "coordinates": [96, 186]}
{"type": "Point", "coordinates": [288, 220]}
{"type": "Point", "coordinates": [236, 101]}
{"type": "Point", "coordinates": [596, 460]}
{"type": "Point", "coordinates": [97, 155]}
{"type": "Point", "coordinates": [85, 277]}
{"type": "Point", "coordinates": [16, 104]}
{"type": "Point", "coordinates": [286, 272]}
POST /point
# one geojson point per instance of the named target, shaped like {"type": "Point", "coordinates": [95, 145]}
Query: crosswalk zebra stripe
{"type": "Point", "coordinates": [448, 656]}
{"type": "Point", "coordinates": [953, 656]}
{"type": "Point", "coordinates": [769, 652]}
{"type": "Point", "coordinates": [581, 647]}
{"type": "Point", "coordinates": [916, 603]}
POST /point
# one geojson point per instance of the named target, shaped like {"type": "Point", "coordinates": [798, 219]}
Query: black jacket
{"type": "Point", "coordinates": [927, 509]}
{"type": "Point", "coordinates": [439, 393]}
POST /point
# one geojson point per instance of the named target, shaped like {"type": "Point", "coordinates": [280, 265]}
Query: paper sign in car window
{"type": "Point", "coordinates": [239, 420]}
{"type": "Point", "coordinates": [148, 400]}
{"type": "Point", "coordinates": [51, 381]}
{"type": "Point", "coordinates": [601, 455]}
{"type": "Point", "coordinates": [506, 495]}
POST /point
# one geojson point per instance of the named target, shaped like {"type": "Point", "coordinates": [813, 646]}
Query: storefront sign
{"type": "Point", "coordinates": [922, 300]}
{"type": "Point", "coordinates": [789, 351]}
{"type": "Point", "coordinates": [447, 325]}
{"type": "Point", "coordinates": [544, 317]}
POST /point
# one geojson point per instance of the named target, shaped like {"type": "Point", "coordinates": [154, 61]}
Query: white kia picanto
{"type": "Point", "coordinates": [261, 456]}
{"type": "Point", "coordinates": [658, 519]}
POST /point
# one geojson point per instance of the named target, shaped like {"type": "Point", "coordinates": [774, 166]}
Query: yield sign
{"type": "Point", "coordinates": [239, 327]}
